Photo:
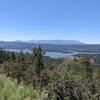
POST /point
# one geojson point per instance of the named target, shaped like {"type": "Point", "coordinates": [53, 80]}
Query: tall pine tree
{"type": "Point", "coordinates": [38, 60]}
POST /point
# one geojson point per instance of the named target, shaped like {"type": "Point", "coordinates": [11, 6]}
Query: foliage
{"type": "Point", "coordinates": [10, 90]}
{"type": "Point", "coordinates": [59, 79]}
{"type": "Point", "coordinates": [38, 60]}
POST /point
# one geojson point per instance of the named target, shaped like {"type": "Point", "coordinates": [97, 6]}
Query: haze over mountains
{"type": "Point", "coordinates": [59, 42]}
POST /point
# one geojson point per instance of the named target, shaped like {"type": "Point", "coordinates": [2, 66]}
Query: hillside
{"type": "Point", "coordinates": [33, 77]}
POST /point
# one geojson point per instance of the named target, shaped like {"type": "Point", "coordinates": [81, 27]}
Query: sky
{"type": "Point", "coordinates": [50, 19]}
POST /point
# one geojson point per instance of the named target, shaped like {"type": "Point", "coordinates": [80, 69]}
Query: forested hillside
{"type": "Point", "coordinates": [44, 78]}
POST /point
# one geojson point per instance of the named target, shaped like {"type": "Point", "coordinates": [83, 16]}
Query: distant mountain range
{"type": "Point", "coordinates": [57, 42]}
{"type": "Point", "coordinates": [52, 45]}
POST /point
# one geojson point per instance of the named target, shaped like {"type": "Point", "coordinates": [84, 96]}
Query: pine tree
{"type": "Point", "coordinates": [38, 60]}
{"type": "Point", "coordinates": [1, 55]}
{"type": "Point", "coordinates": [13, 56]}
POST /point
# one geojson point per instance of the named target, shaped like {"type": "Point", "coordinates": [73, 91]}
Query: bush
{"type": "Point", "coordinates": [10, 90]}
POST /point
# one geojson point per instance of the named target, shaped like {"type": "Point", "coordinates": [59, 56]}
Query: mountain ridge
{"type": "Point", "coordinates": [59, 42]}
{"type": "Point", "coordinates": [50, 47]}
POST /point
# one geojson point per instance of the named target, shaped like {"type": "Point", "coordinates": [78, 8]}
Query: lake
{"type": "Point", "coordinates": [59, 54]}
{"type": "Point", "coordinates": [50, 54]}
{"type": "Point", "coordinates": [55, 54]}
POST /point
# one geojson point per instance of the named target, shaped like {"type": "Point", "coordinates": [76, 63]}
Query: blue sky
{"type": "Point", "coordinates": [50, 19]}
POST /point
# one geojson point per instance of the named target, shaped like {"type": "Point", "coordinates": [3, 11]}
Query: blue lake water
{"type": "Point", "coordinates": [55, 54]}
{"type": "Point", "coordinates": [50, 54]}
{"type": "Point", "coordinates": [58, 54]}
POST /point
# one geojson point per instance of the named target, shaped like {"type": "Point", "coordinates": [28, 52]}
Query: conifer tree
{"type": "Point", "coordinates": [13, 56]}
{"type": "Point", "coordinates": [1, 55]}
{"type": "Point", "coordinates": [38, 60]}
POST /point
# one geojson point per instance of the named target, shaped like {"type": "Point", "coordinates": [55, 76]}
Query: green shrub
{"type": "Point", "coordinates": [10, 90]}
